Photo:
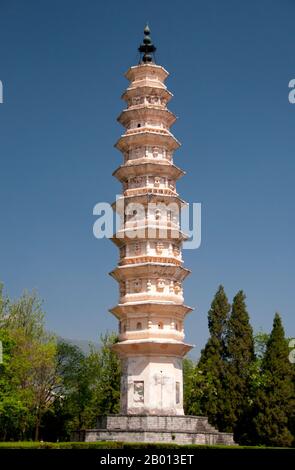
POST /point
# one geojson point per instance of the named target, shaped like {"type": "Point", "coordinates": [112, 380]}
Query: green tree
{"type": "Point", "coordinates": [210, 373]}
{"type": "Point", "coordinates": [192, 390]}
{"type": "Point", "coordinates": [47, 388]}
{"type": "Point", "coordinates": [240, 360]}
{"type": "Point", "coordinates": [4, 303]}
{"type": "Point", "coordinates": [14, 414]}
{"type": "Point", "coordinates": [72, 396]}
{"type": "Point", "coordinates": [274, 402]}
{"type": "Point", "coordinates": [89, 386]}
{"type": "Point", "coordinates": [104, 368]}
{"type": "Point", "coordinates": [29, 377]}
{"type": "Point", "coordinates": [26, 315]}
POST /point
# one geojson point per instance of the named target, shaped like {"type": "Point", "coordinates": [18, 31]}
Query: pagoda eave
{"type": "Point", "coordinates": [123, 172]}
{"type": "Point", "coordinates": [146, 112]}
{"type": "Point", "coordinates": [147, 197]}
{"type": "Point", "coordinates": [135, 70]}
{"type": "Point", "coordinates": [121, 237]}
{"type": "Point", "coordinates": [152, 347]}
{"type": "Point", "coordinates": [145, 138]}
{"type": "Point", "coordinates": [149, 270]}
{"type": "Point", "coordinates": [145, 89]}
{"type": "Point", "coordinates": [166, 309]}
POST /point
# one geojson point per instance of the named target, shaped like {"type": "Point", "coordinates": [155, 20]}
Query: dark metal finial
{"type": "Point", "coordinates": [147, 48]}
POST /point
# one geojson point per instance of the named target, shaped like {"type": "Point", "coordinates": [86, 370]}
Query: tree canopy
{"type": "Point", "coordinates": [49, 388]}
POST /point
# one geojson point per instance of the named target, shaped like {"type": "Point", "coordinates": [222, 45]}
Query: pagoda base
{"type": "Point", "coordinates": [143, 428]}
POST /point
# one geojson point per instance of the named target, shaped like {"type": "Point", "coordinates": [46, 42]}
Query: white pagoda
{"type": "Point", "coordinates": [150, 273]}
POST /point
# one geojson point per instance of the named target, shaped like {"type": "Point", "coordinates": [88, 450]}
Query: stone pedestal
{"type": "Point", "coordinates": [142, 428]}
{"type": "Point", "coordinates": [162, 393]}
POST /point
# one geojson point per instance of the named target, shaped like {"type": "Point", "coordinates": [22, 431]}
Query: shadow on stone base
{"type": "Point", "coordinates": [142, 428]}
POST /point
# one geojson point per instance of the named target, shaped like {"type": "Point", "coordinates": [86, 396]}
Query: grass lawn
{"type": "Point", "coordinates": [119, 445]}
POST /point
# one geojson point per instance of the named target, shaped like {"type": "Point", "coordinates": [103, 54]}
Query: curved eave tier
{"type": "Point", "coordinates": [137, 71]}
{"type": "Point", "coordinates": [150, 270]}
{"type": "Point", "coordinates": [152, 347]}
{"type": "Point", "coordinates": [145, 90]}
{"type": "Point", "coordinates": [147, 137]}
{"type": "Point", "coordinates": [149, 259]}
{"type": "Point", "coordinates": [156, 169]}
{"type": "Point", "coordinates": [148, 197]}
{"type": "Point", "coordinates": [165, 309]}
{"type": "Point", "coordinates": [127, 235]}
{"type": "Point", "coordinates": [146, 112]}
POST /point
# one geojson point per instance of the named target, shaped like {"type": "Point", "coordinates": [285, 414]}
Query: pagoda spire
{"type": "Point", "coordinates": [147, 48]}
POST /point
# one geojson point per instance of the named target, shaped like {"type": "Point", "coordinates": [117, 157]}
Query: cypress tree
{"type": "Point", "coordinates": [211, 367]}
{"type": "Point", "coordinates": [240, 359]}
{"type": "Point", "coordinates": [275, 401]}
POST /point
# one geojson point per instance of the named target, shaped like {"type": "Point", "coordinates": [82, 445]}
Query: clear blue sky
{"type": "Point", "coordinates": [62, 65]}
